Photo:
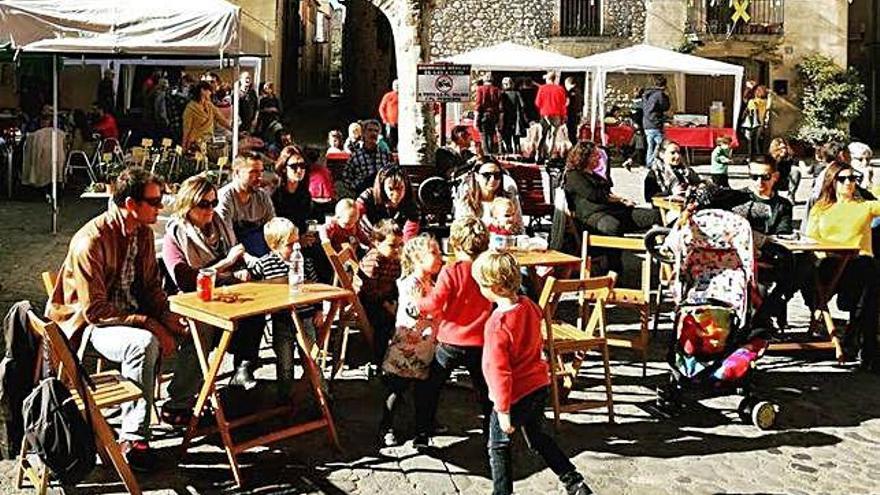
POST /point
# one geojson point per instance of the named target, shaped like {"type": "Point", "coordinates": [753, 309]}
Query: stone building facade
{"type": "Point", "coordinates": [779, 34]}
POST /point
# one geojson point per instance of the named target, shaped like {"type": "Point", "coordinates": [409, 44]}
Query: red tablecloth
{"type": "Point", "coordinates": [615, 135]}
{"type": "Point", "coordinates": [699, 137]}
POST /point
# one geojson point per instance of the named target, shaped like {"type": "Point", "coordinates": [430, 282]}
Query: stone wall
{"type": "Point", "coordinates": [625, 19]}
{"type": "Point", "coordinates": [461, 25]}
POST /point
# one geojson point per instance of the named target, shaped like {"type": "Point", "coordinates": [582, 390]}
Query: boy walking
{"type": "Point", "coordinates": [517, 375]}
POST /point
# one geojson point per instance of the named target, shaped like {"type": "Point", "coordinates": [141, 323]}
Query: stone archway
{"type": "Point", "coordinates": [409, 28]}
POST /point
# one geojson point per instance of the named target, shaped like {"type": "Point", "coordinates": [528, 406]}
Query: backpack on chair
{"type": "Point", "coordinates": [56, 430]}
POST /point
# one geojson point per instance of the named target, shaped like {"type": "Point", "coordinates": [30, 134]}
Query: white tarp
{"type": "Point", "coordinates": [152, 27]}
{"type": "Point", "coordinates": [652, 59]}
{"type": "Point", "coordinates": [509, 56]}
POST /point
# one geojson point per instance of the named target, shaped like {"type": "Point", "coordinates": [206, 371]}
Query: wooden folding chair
{"type": "Point", "coordinates": [345, 267]}
{"type": "Point", "coordinates": [567, 343]}
{"type": "Point", "coordinates": [110, 390]}
{"type": "Point", "coordinates": [638, 299]}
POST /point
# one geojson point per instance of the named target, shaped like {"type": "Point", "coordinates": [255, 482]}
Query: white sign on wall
{"type": "Point", "coordinates": [444, 83]}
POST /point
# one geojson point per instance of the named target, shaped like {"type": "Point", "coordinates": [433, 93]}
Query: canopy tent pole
{"type": "Point", "coordinates": [54, 199]}
{"type": "Point", "coordinates": [235, 102]}
{"type": "Point", "coordinates": [737, 100]}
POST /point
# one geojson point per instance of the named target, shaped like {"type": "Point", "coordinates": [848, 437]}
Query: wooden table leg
{"type": "Point", "coordinates": [209, 392]}
{"type": "Point", "coordinates": [311, 371]}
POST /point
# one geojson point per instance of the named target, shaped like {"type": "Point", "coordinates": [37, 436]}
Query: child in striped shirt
{"type": "Point", "coordinates": [281, 237]}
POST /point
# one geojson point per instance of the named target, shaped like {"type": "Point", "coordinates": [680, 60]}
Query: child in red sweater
{"type": "Point", "coordinates": [460, 311]}
{"type": "Point", "coordinates": [345, 228]}
{"type": "Point", "coordinates": [517, 375]}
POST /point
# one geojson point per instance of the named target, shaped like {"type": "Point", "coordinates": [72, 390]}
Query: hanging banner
{"type": "Point", "coordinates": [443, 83]}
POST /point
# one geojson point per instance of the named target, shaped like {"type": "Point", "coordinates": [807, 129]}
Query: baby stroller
{"type": "Point", "coordinates": [713, 348]}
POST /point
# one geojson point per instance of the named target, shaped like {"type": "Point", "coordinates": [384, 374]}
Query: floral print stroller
{"type": "Point", "coordinates": [713, 347]}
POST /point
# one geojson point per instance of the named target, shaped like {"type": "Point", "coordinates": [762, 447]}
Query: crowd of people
{"type": "Point", "coordinates": [429, 317]}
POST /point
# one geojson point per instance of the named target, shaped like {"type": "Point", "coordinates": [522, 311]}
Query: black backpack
{"type": "Point", "coordinates": [56, 431]}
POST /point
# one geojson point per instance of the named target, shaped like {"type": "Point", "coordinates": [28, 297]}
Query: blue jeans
{"type": "Point", "coordinates": [137, 352]}
{"type": "Point", "coordinates": [447, 357]}
{"type": "Point", "coordinates": [653, 138]}
{"type": "Point", "coordinates": [527, 414]}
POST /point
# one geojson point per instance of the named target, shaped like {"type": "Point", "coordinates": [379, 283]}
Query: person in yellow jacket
{"type": "Point", "coordinates": [841, 216]}
{"type": "Point", "coordinates": [200, 116]}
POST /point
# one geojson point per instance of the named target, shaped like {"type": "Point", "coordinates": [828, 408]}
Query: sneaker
{"type": "Point", "coordinates": [172, 416]}
{"type": "Point", "coordinates": [575, 484]}
{"type": "Point", "coordinates": [244, 376]}
{"type": "Point", "coordinates": [421, 442]}
{"type": "Point", "coordinates": [139, 455]}
{"type": "Point", "coordinates": [579, 489]}
{"type": "Point", "coordinates": [387, 438]}
{"type": "Point", "coordinates": [628, 164]}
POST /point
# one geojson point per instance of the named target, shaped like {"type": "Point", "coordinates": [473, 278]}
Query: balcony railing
{"type": "Point", "coordinates": [725, 18]}
{"type": "Point", "coordinates": [580, 18]}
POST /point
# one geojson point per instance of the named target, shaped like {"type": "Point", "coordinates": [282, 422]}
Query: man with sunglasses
{"type": "Point", "coordinates": [110, 285]}
{"type": "Point", "coordinates": [770, 214]}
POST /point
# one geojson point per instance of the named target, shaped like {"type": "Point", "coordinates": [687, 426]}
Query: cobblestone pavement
{"type": "Point", "coordinates": [826, 440]}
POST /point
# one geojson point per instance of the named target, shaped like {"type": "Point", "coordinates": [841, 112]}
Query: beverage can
{"type": "Point", "coordinates": [205, 283]}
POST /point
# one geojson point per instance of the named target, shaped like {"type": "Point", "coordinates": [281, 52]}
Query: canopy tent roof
{"type": "Point", "coordinates": [511, 57]}
{"type": "Point", "coordinates": [652, 59]}
{"type": "Point", "coordinates": [195, 28]}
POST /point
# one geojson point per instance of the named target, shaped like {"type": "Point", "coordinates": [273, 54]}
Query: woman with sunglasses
{"type": "Point", "coordinates": [841, 216]}
{"type": "Point", "coordinates": [200, 116]}
{"type": "Point", "coordinates": [292, 198]}
{"type": "Point", "coordinates": [480, 187]}
{"type": "Point", "coordinates": [195, 239]}
{"type": "Point", "coordinates": [391, 197]}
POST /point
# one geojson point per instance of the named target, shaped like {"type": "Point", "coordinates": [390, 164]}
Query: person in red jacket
{"type": "Point", "coordinates": [488, 113]}
{"type": "Point", "coordinates": [517, 375]}
{"type": "Point", "coordinates": [460, 311]}
{"type": "Point", "coordinates": [388, 111]}
{"type": "Point", "coordinates": [552, 104]}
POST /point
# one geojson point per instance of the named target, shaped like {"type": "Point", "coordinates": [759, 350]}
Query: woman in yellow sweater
{"type": "Point", "coordinates": [841, 216]}
{"type": "Point", "coordinates": [200, 116]}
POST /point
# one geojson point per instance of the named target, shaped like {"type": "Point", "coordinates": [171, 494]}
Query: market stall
{"type": "Point", "coordinates": [647, 59]}
{"type": "Point", "coordinates": [205, 29]}
{"type": "Point", "coordinates": [509, 57]}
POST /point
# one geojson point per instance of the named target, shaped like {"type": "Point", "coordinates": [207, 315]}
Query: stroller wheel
{"type": "Point", "coordinates": [744, 409]}
{"type": "Point", "coordinates": [763, 415]}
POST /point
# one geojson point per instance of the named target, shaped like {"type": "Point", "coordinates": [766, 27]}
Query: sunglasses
{"type": "Point", "coordinates": [154, 202]}
{"type": "Point", "coordinates": [761, 177]}
{"type": "Point", "coordinates": [856, 178]}
{"type": "Point", "coordinates": [205, 204]}
{"type": "Point", "coordinates": [491, 175]}
{"type": "Point", "coordinates": [297, 166]}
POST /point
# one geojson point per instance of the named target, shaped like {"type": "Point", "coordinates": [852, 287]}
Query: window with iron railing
{"type": "Point", "coordinates": [732, 17]}
{"type": "Point", "coordinates": [580, 18]}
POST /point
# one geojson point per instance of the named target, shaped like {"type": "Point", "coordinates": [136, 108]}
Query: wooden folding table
{"type": "Point", "coordinates": [530, 260]}
{"type": "Point", "coordinates": [824, 292]}
{"type": "Point", "coordinates": [230, 305]}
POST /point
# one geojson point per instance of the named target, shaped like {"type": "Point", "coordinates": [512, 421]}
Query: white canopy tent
{"type": "Point", "coordinates": [113, 29]}
{"type": "Point", "coordinates": [647, 59]}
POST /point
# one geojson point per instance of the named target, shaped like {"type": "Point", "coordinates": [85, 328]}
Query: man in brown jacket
{"type": "Point", "coordinates": [110, 284]}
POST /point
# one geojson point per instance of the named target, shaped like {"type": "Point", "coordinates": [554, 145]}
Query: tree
{"type": "Point", "coordinates": [832, 97]}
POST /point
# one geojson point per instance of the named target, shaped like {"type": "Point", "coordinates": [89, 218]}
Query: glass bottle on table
{"type": "Point", "coordinates": [296, 271]}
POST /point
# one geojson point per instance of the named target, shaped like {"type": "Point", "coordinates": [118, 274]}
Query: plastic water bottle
{"type": "Point", "coordinates": [296, 273]}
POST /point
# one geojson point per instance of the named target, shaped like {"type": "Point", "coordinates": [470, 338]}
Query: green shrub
{"type": "Point", "coordinates": [832, 98]}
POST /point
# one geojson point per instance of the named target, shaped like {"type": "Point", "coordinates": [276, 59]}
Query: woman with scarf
{"type": "Point", "coordinates": [196, 239]}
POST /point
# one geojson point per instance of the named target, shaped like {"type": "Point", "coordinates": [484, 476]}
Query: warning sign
{"type": "Point", "coordinates": [443, 83]}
